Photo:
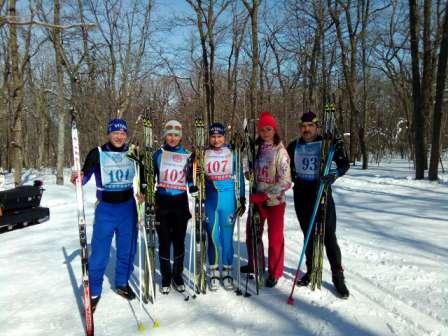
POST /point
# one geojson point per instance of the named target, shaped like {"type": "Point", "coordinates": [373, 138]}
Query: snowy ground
{"type": "Point", "coordinates": [393, 235]}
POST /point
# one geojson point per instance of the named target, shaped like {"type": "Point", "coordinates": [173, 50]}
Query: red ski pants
{"type": "Point", "coordinates": [276, 251]}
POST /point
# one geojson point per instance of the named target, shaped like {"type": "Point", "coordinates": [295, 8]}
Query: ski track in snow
{"type": "Point", "coordinates": [391, 230]}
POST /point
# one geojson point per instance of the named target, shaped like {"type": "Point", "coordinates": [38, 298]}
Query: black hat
{"type": "Point", "coordinates": [309, 117]}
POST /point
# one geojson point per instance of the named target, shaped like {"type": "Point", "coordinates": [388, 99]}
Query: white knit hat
{"type": "Point", "coordinates": [172, 127]}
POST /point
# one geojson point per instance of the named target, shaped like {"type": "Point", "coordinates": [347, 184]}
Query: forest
{"type": "Point", "coordinates": [382, 62]}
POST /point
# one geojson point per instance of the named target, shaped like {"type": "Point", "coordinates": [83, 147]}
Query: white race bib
{"type": "Point", "coordinates": [307, 160]}
{"type": "Point", "coordinates": [173, 170]}
{"type": "Point", "coordinates": [218, 164]}
{"type": "Point", "coordinates": [117, 170]}
{"type": "Point", "coordinates": [265, 165]}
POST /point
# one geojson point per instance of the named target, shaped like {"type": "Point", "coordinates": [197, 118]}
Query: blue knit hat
{"type": "Point", "coordinates": [117, 125]}
{"type": "Point", "coordinates": [216, 128]}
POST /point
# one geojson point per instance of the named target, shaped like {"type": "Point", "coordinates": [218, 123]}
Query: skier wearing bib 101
{"type": "Point", "coordinates": [305, 155]}
{"type": "Point", "coordinates": [273, 178]}
{"type": "Point", "coordinates": [220, 206]}
{"type": "Point", "coordinates": [172, 166]}
{"type": "Point", "coordinates": [115, 212]}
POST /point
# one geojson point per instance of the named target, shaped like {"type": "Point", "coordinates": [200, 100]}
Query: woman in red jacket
{"type": "Point", "coordinates": [273, 178]}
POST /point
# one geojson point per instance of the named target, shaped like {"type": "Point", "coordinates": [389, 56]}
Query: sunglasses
{"type": "Point", "coordinates": [171, 127]}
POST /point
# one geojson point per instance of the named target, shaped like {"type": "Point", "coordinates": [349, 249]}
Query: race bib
{"type": "Point", "coordinates": [218, 164]}
{"type": "Point", "coordinates": [173, 169]}
{"type": "Point", "coordinates": [307, 160]}
{"type": "Point", "coordinates": [117, 171]}
{"type": "Point", "coordinates": [265, 165]}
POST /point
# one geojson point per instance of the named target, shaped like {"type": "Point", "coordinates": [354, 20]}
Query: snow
{"type": "Point", "coordinates": [391, 229]}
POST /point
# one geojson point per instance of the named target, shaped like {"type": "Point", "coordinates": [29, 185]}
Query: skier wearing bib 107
{"type": "Point", "coordinates": [115, 213]}
{"type": "Point", "coordinates": [172, 166]}
{"type": "Point", "coordinates": [220, 206]}
{"type": "Point", "coordinates": [273, 178]}
{"type": "Point", "coordinates": [305, 155]}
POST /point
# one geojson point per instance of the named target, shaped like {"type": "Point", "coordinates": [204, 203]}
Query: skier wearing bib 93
{"type": "Point", "coordinates": [221, 205]}
{"type": "Point", "coordinates": [172, 166]}
{"type": "Point", "coordinates": [305, 153]}
{"type": "Point", "coordinates": [115, 212]}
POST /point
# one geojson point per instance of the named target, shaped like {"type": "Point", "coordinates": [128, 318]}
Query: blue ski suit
{"type": "Point", "coordinates": [115, 214]}
{"type": "Point", "coordinates": [220, 204]}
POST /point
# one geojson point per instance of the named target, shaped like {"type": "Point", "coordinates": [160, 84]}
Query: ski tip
{"type": "Point", "coordinates": [290, 301]}
{"type": "Point", "coordinates": [156, 324]}
{"type": "Point", "coordinates": [141, 327]}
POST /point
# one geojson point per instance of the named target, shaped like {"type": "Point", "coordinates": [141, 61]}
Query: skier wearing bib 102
{"type": "Point", "coordinates": [273, 178]}
{"type": "Point", "coordinates": [305, 155]}
{"type": "Point", "coordinates": [220, 206]}
{"type": "Point", "coordinates": [172, 166]}
{"type": "Point", "coordinates": [115, 212]}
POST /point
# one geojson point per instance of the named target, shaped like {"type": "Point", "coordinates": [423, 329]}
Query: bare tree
{"type": "Point", "coordinates": [206, 20]}
{"type": "Point", "coordinates": [440, 89]}
{"type": "Point", "coordinates": [252, 9]}
{"type": "Point", "coordinates": [16, 82]}
{"type": "Point", "coordinates": [421, 88]}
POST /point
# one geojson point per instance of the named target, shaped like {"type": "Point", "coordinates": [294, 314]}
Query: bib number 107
{"type": "Point", "coordinates": [216, 166]}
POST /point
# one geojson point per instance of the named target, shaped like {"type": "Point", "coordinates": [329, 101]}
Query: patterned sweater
{"type": "Point", "coordinates": [273, 172]}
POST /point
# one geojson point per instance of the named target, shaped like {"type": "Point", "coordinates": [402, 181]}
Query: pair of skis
{"type": "Point", "coordinates": [146, 216]}
{"type": "Point", "coordinates": [319, 210]}
{"type": "Point", "coordinates": [253, 216]}
{"type": "Point", "coordinates": [88, 313]}
{"type": "Point", "coordinates": [200, 233]}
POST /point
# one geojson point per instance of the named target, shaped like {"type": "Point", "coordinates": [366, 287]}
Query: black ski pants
{"type": "Point", "coordinates": [172, 215]}
{"type": "Point", "coordinates": [304, 204]}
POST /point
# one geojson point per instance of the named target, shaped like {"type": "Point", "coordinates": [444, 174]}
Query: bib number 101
{"type": "Point", "coordinates": [118, 175]}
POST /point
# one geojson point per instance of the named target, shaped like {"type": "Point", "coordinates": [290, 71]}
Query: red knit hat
{"type": "Point", "coordinates": [267, 119]}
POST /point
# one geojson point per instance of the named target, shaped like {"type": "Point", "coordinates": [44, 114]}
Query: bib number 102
{"type": "Point", "coordinates": [174, 176]}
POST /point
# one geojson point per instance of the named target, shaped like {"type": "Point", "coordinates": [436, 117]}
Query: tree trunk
{"type": "Point", "coordinates": [60, 157]}
{"type": "Point", "coordinates": [15, 88]}
{"type": "Point", "coordinates": [440, 88]}
{"type": "Point", "coordinates": [253, 12]}
{"type": "Point", "coordinates": [418, 120]}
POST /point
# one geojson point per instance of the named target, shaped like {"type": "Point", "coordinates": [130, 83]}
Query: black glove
{"type": "Point", "coordinates": [328, 179]}
{"type": "Point", "coordinates": [338, 143]}
{"type": "Point", "coordinates": [242, 208]}
{"type": "Point", "coordinates": [193, 190]}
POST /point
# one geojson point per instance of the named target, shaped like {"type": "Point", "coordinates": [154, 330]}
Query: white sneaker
{"type": "Point", "coordinates": [227, 280]}
{"type": "Point", "coordinates": [165, 290]}
{"type": "Point", "coordinates": [214, 278]}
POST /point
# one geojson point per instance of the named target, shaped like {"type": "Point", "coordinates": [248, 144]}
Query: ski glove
{"type": "Point", "coordinates": [193, 190]}
{"type": "Point", "coordinates": [338, 143]}
{"type": "Point", "coordinates": [258, 198]}
{"type": "Point", "coordinates": [328, 179]}
{"type": "Point", "coordinates": [242, 208]}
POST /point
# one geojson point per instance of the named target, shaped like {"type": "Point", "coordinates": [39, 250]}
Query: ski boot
{"type": "Point", "coordinates": [227, 280]}
{"type": "Point", "coordinates": [125, 291]}
{"type": "Point", "coordinates": [304, 280]}
{"type": "Point", "coordinates": [339, 284]}
{"type": "Point", "coordinates": [214, 278]}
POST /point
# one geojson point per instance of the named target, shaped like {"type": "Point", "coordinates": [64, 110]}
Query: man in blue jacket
{"type": "Point", "coordinates": [115, 213]}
